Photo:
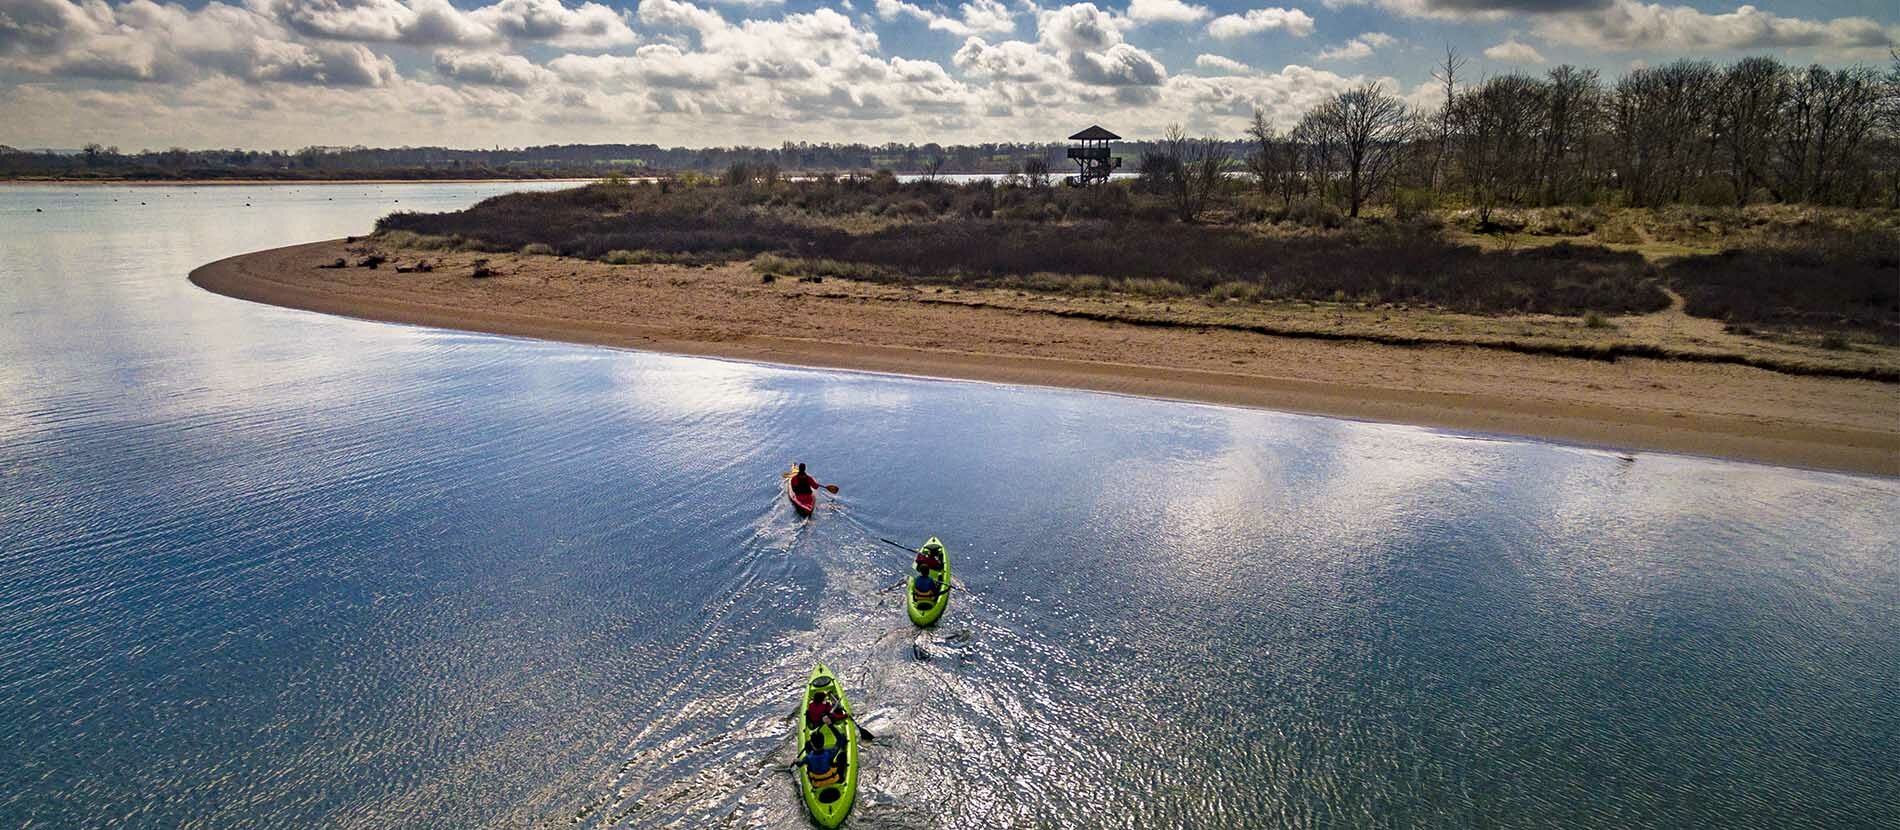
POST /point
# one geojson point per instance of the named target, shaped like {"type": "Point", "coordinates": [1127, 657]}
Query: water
{"type": "Point", "coordinates": [262, 568]}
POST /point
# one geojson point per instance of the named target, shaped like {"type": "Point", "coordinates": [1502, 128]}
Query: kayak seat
{"type": "Point", "coordinates": [925, 604]}
{"type": "Point", "coordinates": [829, 795]}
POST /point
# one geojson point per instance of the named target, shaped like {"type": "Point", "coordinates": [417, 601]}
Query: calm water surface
{"type": "Point", "coordinates": [262, 568]}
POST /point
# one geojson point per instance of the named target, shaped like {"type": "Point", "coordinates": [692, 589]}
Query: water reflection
{"type": "Point", "coordinates": [262, 568]}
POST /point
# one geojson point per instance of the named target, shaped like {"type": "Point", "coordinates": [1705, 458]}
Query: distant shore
{"type": "Point", "coordinates": [211, 182]}
{"type": "Point", "coordinates": [1004, 336]}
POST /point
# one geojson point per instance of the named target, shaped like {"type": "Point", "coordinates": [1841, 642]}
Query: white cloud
{"type": "Point", "coordinates": [1011, 60]}
{"type": "Point", "coordinates": [1222, 64]}
{"type": "Point", "coordinates": [1230, 26]}
{"type": "Point", "coordinates": [423, 22]}
{"type": "Point", "coordinates": [1624, 25]}
{"type": "Point", "coordinates": [1118, 65]}
{"type": "Point", "coordinates": [1224, 105]}
{"type": "Point", "coordinates": [1359, 47]}
{"type": "Point", "coordinates": [487, 68]}
{"type": "Point", "coordinates": [1166, 11]}
{"type": "Point", "coordinates": [675, 14]}
{"type": "Point", "coordinates": [438, 23]}
{"type": "Point", "coordinates": [586, 26]}
{"type": "Point", "coordinates": [146, 41]}
{"type": "Point", "coordinates": [977, 17]}
{"type": "Point", "coordinates": [1513, 51]}
{"type": "Point", "coordinates": [1080, 28]}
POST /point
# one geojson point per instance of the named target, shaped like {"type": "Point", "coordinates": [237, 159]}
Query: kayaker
{"type": "Point", "coordinates": [926, 587]}
{"type": "Point", "coordinates": [819, 761]}
{"type": "Point", "coordinates": [929, 560]}
{"type": "Point", "coordinates": [821, 712]}
{"type": "Point", "coordinates": [802, 483]}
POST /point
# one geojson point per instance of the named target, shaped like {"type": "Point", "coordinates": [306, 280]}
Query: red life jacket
{"type": "Point", "coordinates": [802, 483]}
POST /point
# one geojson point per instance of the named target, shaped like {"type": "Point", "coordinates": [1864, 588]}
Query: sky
{"type": "Point", "coordinates": [284, 74]}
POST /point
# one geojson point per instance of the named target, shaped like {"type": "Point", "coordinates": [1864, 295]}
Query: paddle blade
{"type": "Point", "coordinates": [831, 488]}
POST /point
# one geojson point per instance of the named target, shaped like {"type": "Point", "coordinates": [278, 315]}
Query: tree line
{"type": "Point", "coordinates": [1756, 130]}
{"type": "Point", "coordinates": [97, 161]}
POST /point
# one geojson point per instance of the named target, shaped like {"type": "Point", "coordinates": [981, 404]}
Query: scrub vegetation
{"type": "Point", "coordinates": [1770, 266]}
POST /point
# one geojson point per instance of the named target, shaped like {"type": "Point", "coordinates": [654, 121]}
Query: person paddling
{"type": "Point", "coordinates": [803, 484]}
{"type": "Point", "coordinates": [925, 587]}
{"type": "Point", "coordinates": [823, 712]}
{"type": "Point", "coordinates": [929, 560]}
{"type": "Point", "coordinates": [802, 489]}
{"type": "Point", "coordinates": [823, 763]}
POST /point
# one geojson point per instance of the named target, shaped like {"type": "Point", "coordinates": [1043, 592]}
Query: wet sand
{"type": "Point", "coordinates": [1011, 337]}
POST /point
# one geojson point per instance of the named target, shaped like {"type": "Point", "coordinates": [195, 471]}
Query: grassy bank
{"type": "Point", "coordinates": [1773, 271]}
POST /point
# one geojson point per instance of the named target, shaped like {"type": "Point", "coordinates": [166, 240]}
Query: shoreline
{"type": "Point", "coordinates": [256, 182]}
{"type": "Point", "coordinates": [1639, 404]}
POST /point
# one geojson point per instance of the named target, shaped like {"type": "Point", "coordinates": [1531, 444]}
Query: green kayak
{"type": "Point", "coordinates": [830, 796]}
{"type": "Point", "coordinates": [925, 610]}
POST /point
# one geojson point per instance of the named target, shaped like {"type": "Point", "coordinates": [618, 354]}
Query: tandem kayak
{"type": "Point", "coordinates": [924, 610]}
{"type": "Point", "coordinates": [804, 503]}
{"type": "Point", "coordinates": [830, 796]}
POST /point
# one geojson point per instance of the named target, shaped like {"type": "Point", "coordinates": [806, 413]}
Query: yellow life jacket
{"type": "Point", "coordinates": [830, 777]}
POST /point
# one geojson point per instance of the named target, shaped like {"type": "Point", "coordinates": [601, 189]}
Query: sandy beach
{"type": "Point", "coordinates": [1170, 350]}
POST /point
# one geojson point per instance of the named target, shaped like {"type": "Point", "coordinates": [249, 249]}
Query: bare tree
{"type": "Point", "coordinates": [1752, 94]}
{"type": "Point", "coordinates": [1273, 161]}
{"type": "Point", "coordinates": [1446, 74]}
{"type": "Point", "coordinates": [1312, 141]}
{"type": "Point", "coordinates": [1573, 117]}
{"type": "Point", "coordinates": [1498, 127]}
{"type": "Point", "coordinates": [1036, 171]}
{"type": "Point", "coordinates": [1661, 119]}
{"type": "Point", "coordinates": [1827, 117]}
{"type": "Point", "coordinates": [933, 166]}
{"type": "Point", "coordinates": [1193, 170]}
{"type": "Point", "coordinates": [1887, 140]}
{"type": "Point", "coordinates": [1371, 133]}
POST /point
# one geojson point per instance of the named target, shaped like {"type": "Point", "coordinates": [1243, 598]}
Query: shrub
{"type": "Point", "coordinates": [538, 249]}
{"type": "Point", "coordinates": [1313, 213]}
{"type": "Point", "coordinates": [1592, 319]}
{"type": "Point", "coordinates": [1234, 290]}
{"type": "Point", "coordinates": [913, 209]}
{"type": "Point", "coordinates": [1565, 221]}
{"type": "Point", "coordinates": [1152, 287]}
{"type": "Point", "coordinates": [1411, 202]}
{"type": "Point", "coordinates": [626, 257]}
{"type": "Point", "coordinates": [418, 241]}
{"type": "Point", "coordinates": [1820, 276]}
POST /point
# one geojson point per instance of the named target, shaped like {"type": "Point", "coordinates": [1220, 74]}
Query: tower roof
{"type": "Point", "coordinates": [1094, 133]}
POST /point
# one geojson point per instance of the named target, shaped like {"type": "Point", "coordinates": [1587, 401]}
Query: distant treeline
{"type": "Point", "coordinates": [548, 161]}
{"type": "Point", "coordinates": [1692, 132]}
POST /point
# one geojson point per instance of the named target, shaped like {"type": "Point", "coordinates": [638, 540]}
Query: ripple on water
{"type": "Point", "coordinates": [261, 568]}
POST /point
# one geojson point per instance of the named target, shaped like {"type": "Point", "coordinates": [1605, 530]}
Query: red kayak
{"type": "Point", "coordinates": [804, 503]}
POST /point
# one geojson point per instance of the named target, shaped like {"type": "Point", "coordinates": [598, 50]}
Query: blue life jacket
{"type": "Point", "coordinates": [818, 763]}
